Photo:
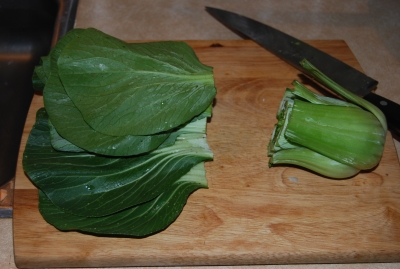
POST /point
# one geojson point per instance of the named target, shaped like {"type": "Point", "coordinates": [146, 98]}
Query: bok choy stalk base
{"type": "Point", "coordinates": [329, 136]}
{"type": "Point", "coordinates": [121, 142]}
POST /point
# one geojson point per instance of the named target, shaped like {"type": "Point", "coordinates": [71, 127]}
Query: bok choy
{"type": "Point", "coordinates": [329, 136]}
{"type": "Point", "coordinates": [121, 141]}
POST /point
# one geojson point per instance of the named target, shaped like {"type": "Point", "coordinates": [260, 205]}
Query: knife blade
{"type": "Point", "coordinates": [293, 50]}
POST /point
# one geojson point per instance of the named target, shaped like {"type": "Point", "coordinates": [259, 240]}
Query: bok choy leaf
{"type": "Point", "coordinates": [138, 221]}
{"type": "Point", "coordinates": [134, 89]}
{"type": "Point", "coordinates": [68, 120]}
{"type": "Point", "coordinates": [86, 184]}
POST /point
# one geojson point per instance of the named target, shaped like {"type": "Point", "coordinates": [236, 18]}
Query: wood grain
{"type": "Point", "coordinates": [251, 214]}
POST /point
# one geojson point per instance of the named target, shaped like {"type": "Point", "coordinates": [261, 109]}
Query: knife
{"type": "Point", "coordinates": [292, 51]}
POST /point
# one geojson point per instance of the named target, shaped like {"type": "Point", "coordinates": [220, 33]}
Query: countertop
{"type": "Point", "coordinates": [370, 28]}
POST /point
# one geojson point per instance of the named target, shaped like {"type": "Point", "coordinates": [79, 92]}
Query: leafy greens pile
{"type": "Point", "coordinates": [121, 141]}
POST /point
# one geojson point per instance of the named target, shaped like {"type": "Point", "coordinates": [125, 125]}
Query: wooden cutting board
{"type": "Point", "coordinates": [251, 214]}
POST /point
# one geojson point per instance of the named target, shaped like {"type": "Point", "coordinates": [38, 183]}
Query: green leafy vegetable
{"type": "Point", "coordinates": [138, 221]}
{"type": "Point", "coordinates": [41, 73]}
{"type": "Point", "coordinates": [121, 142]}
{"type": "Point", "coordinates": [61, 144]}
{"type": "Point", "coordinates": [86, 184]}
{"type": "Point", "coordinates": [141, 85]}
{"type": "Point", "coordinates": [69, 123]}
{"type": "Point", "coordinates": [351, 97]}
{"type": "Point", "coordinates": [329, 136]}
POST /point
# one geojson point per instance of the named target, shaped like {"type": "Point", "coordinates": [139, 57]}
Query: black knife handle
{"type": "Point", "coordinates": [390, 109]}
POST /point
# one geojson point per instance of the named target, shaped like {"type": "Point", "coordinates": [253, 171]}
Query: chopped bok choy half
{"type": "Point", "coordinates": [329, 136]}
